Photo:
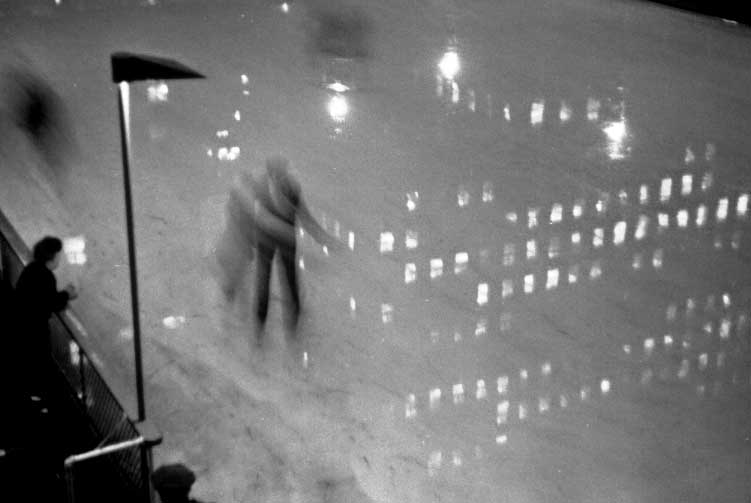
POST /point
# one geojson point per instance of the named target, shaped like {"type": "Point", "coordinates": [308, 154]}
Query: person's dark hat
{"type": "Point", "coordinates": [173, 477]}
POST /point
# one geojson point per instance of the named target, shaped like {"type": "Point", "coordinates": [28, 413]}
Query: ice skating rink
{"type": "Point", "coordinates": [545, 290]}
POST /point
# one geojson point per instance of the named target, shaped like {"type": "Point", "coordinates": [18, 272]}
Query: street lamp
{"type": "Point", "coordinates": [126, 68]}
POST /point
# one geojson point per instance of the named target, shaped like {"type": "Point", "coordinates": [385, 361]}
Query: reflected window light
{"type": "Point", "coordinates": [701, 215]}
{"type": "Point", "coordinates": [481, 328]}
{"type": "Point", "coordinates": [643, 194]}
{"type": "Point", "coordinates": [537, 112]}
{"type": "Point", "coordinates": [638, 261]}
{"type": "Point", "coordinates": [543, 404]}
{"type": "Point", "coordinates": [722, 209]}
{"type": "Point", "coordinates": [684, 370]}
{"type": "Point", "coordinates": [623, 197]}
{"type": "Point", "coordinates": [410, 273]}
{"type": "Point", "coordinates": [605, 386]}
{"type": "Point", "coordinates": [522, 411]}
{"type": "Point", "coordinates": [601, 205]}
{"type": "Point", "coordinates": [552, 282]}
{"type": "Point", "coordinates": [387, 242]}
{"type": "Point", "coordinates": [74, 250]}
{"type": "Point", "coordinates": [667, 340]}
{"type": "Point", "coordinates": [301, 264]}
{"type": "Point", "coordinates": [352, 304]}
{"type": "Point", "coordinates": [449, 64]}
{"type": "Point", "coordinates": [720, 359]}
{"type": "Point", "coordinates": [434, 336]}
{"type": "Point", "coordinates": [619, 233]}
{"type": "Point", "coordinates": [682, 218]}
{"type": "Point", "coordinates": [578, 209]}
{"type": "Point", "coordinates": [436, 268]}
{"type": "Point", "coordinates": [410, 408]}
{"type": "Point", "coordinates": [351, 240]}
{"type": "Point", "coordinates": [556, 213]}
{"type": "Point", "coordinates": [573, 274]}
{"type": "Point", "coordinates": [718, 242]}
{"type": "Point", "coordinates": [725, 328]}
{"type": "Point", "coordinates": [502, 412]}
{"type": "Point", "coordinates": [531, 249]}
{"type": "Point", "coordinates": [726, 300]}
{"type": "Point", "coordinates": [663, 221]}
{"type": "Point", "coordinates": [593, 109]}
{"type": "Point", "coordinates": [686, 184]}
{"type": "Point", "coordinates": [501, 439]}
{"type": "Point", "coordinates": [435, 398]}
{"type": "Point", "coordinates": [565, 114]}
{"type": "Point", "coordinates": [246, 92]}
{"type": "Point", "coordinates": [173, 322]}
{"type": "Point", "coordinates": [596, 271]}
{"type": "Point", "coordinates": [502, 385]}
{"type": "Point", "coordinates": [412, 200]}
{"type": "Point", "coordinates": [741, 207]}
{"type": "Point", "coordinates": [337, 87]}
{"type": "Point", "coordinates": [505, 322]}
{"type": "Point", "coordinates": [703, 360]}
{"type": "Point", "coordinates": [554, 247]}
{"type": "Point", "coordinates": [75, 353]}
{"type": "Point", "coordinates": [338, 108]}
{"type": "Point", "coordinates": [657, 259]}
{"type": "Point", "coordinates": [482, 294]}
{"type": "Point", "coordinates": [512, 217]}
{"type": "Point", "coordinates": [507, 113]}
{"type": "Point", "coordinates": [690, 306]}
{"type": "Point", "coordinates": [460, 262]}
{"type": "Point", "coordinates": [487, 192]}
{"type": "Point", "coordinates": [210, 152]}
{"type": "Point", "coordinates": [244, 79]}
{"type": "Point", "coordinates": [456, 458]}
{"type": "Point", "coordinates": [454, 92]}
{"type": "Point", "coordinates": [523, 374]}
{"type": "Point", "coordinates": [546, 368]}
{"type": "Point", "coordinates": [617, 134]}
{"type": "Point", "coordinates": [710, 151]}
{"type": "Point", "coordinates": [563, 401]}
{"type": "Point", "coordinates": [529, 283]}
{"type": "Point", "coordinates": [576, 239]}
{"type": "Point", "coordinates": [671, 312]}
{"type": "Point", "coordinates": [471, 101]}
{"type": "Point", "coordinates": [158, 92]}
{"type": "Point", "coordinates": [222, 133]}
{"type": "Point", "coordinates": [458, 393]}
{"type": "Point", "coordinates": [641, 228]}
{"type": "Point", "coordinates": [710, 303]}
{"type": "Point", "coordinates": [666, 187]}
{"type": "Point", "coordinates": [598, 238]}
{"type": "Point", "coordinates": [689, 157]}
{"type": "Point", "coordinates": [462, 197]}
{"type": "Point", "coordinates": [508, 254]}
{"type": "Point", "coordinates": [410, 241]}
{"type": "Point", "coordinates": [707, 181]}
{"type": "Point", "coordinates": [439, 84]}
{"type": "Point", "coordinates": [507, 288]}
{"type": "Point", "coordinates": [584, 393]}
{"type": "Point", "coordinates": [532, 217]}
{"type": "Point", "coordinates": [735, 240]}
{"type": "Point", "coordinates": [481, 393]}
{"type": "Point", "coordinates": [387, 313]}
{"type": "Point", "coordinates": [237, 115]}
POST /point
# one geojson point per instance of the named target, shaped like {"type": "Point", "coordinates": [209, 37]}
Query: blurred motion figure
{"type": "Point", "coordinates": [262, 213]}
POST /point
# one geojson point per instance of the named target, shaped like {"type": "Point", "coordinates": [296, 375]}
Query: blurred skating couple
{"type": "Point", "coordinates": [263, 209]}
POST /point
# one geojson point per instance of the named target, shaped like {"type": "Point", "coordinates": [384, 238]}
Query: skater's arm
{"type": "Point", "coordinates": [273, 225]}
{"type": "Point", "coordinates": [313, 228]}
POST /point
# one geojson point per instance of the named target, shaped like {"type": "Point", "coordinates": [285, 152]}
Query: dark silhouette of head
{"type": "Point", "coordinates": [46, 249]}
{"type": "Point", "coordinates": [173, 482]}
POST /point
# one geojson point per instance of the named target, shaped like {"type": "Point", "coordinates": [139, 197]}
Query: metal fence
{"type": "Point", "coordinates": [108, 422]}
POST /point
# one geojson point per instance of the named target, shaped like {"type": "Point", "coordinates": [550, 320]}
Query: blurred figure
{"type": "Point", "coordinates": [173, 483]}
{"type": "Point", "coordinates": [37, 110]}
{"type": "Point", "coordinates": [36, 297]}
{"type": "Point", "coordinates": [262, 213]}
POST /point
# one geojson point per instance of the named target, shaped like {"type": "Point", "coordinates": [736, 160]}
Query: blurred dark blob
{"type": "Point", "coordinates": [342, 32]}
{"type": "Point", "coordinates": [37, 110]}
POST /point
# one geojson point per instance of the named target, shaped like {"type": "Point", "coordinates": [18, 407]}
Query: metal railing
{"type": "Point", "coordinates": [108, 421]}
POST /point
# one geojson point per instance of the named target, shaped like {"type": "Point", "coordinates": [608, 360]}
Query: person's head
{"type": "Point", "coordinates": [47, 251]}
{"type": "Point", "coordinates": [282, 185]}
{"type": "Point", "coordinates": [173, 482]}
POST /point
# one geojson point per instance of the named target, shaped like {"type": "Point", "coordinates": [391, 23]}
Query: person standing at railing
{"type": "Point", "coordinates": [173, 483]}
{"type": "Point", "coordinates": [36, 298]}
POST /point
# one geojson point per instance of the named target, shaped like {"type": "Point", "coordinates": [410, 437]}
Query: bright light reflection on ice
{"type": "Point", "coordinates": [458, 392]}
{"type": "Point", "coordinates": [643, 194]}
{"type": "Point", "coordinates": [682, 218]}
{"type": "Point", "coordinates": [74, 250]}
{"type": "Point", "coordinates": [435, 398]}
{"type": "Point", "coordinates": [565, 114]}
{"type": "Point", "coordinates": [741, 206]}
{"type": "Point", "coordinates": [508, 254]}
{"type": "Point", "coordinates": [387, 242]}
{"type": "Point", "coordinates": [532, 217]}
{"type": "Point", "coordinates": [529, 283]}
{"type": "Point", "coordinates": [436, 268]}
{"type": "Point", "coordinates": [460, 262]}
{"type": "Point", "coordinates": [338, 108]}
{"type": "Point", "coordinates": [619, 233]}
{"type": "Point", "coordinates": [722, 209]}
{"type": "Point", "coordinates": [537, 112]}
{"type": "Point", "coordinates": [482, 294]}
{"type": "Point", "coordinates": [387, 313]}
{"type": "Point", "coordinates": [462, 196]}
{"type": "Point", "coordinates": [666, 187]}
{"type": "Point", "coordinates": [641, 227]}
{"type": "Point", "coordinates": [481, 393]}
{"type": "Point", "coordinates": [410, 240]}
{"type": "Point", "coordinates": [507, 288]}
{"type": "Point", "coordinates": [686, 184]}
{"type": "Point", "coordinates": [502, 385]}
{"type": "Point", "coordinates": [552, 279]}
{"type": "Point", "coordinates": [556, 213]}
{"type": "Point", "coordinates": [449, 64]}
{"type": "Point", "coordinates": [410, 273]}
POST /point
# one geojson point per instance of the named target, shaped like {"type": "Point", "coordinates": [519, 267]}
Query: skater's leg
{"type": "Point", "coordinates": [263, 280]}
{"type": "Point", "coordinates": [290, 268]}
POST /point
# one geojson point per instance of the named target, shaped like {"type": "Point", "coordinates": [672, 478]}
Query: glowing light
{"type": "Point", "coordinates": [703, 360]}
{"type": "Point", "coordinates": [482, 294]}
{"type": "Point", "coordinates": [461, 260]}
{"type": "Point", "coordinates": [338, 108]}
{"type": "Point", "coordinates": [410, 273]}
{"type": "Point", "coordinates": [237, 115]}
{"type": "Point", "coordinates": [667, 340]}
{"type": "Point", "coordinates": [565, 114]}
{"type": "Point", "coordinates": [435, 398]}
{"type": "Point", "coordinates": [741, 207]}
{"type": "Point", "coordinates": [576, 239]}
{"type": "Point", "coordinates": [605, 386]}
{"type": "Point", "coordinates": [638, 261]}
{"type": "Point", "coordinates": [512, 217]}
{"type": "Point", "coordinates": [686, 184]}
{"type": "Point", "coordinates": [690, 157]}
{"type": "Point", "coordinates": [507, 288]}
{"type": "Point", "coordinates": [502, 385]}
{"type": "Point", "coordinates": [501, 439]}
{"type": "Point", "coordinates": [532, 217]}
{"type": "Point", "coordinates": [556, 213]}
{"type": "Point", "coordinates": [584, 393]}
{"type": "Point", "coordinates": [701, 215]}
{"type": "Point", "coordinates": [387, 242]}
{"type": "Point", "coordinates": [543, 405]}
{"type": "Point", "coordinates": [481, 328]}
{"type": "Point", "coordinates": [502, 412]}
{"type": "Point", "coordinates": [173, 322]}
{"type": "Point", "coordinates": [578, 208]}
{"type": "Point", "coordinates": [507, 113]}
{"type": "Point", "coordinates": [593, 109]}
{"type": "Point", "coordinates": [462, 196]}
{"type": "Point", "coordinates": [75, 353]}
{"type": "Point", "coordinates": [663, 220]}
{"type": "Point", "coordinates": [410, 241]}
{"type": "Point", "coordinates": [666, 187]}
{"type": "Point", "coordinates": [531, 249]}
{"type": "Point", "coordinates": [725, 329]}
{"type": "Point", "coordinates": [410, 409]}
{"type": "Point", "coordinates": [244, 79]}
{"type": "Point", "coordinates": [458, 392]}
{"type": "Point", "coordinates": [158, 92]}
{"type": "Point", "coordinates": [436, 268]}
{"type": "Point", "coordinates": [454, 92]}
{"type": "Point", "coordinates": [529, 283]}
{"type": "Point", "coordinates": [619, 233]}
{"type": "Point", "coordinates": [74, 250]}
{"type": "Point", "coordinates": [552, 279]}
{"type": "Point", "coordinates": [412, 199]}
{"type": "Point", "coordinates": [387, 313]}
{"type": "Point", "coordinates": [641, 228]}
{"type": "Point", "coordinates": [657, 259]}
{"type": "Point", "coordinates": [487, 192]}
{"type": "Point", "coordinates": [598, 237]}
{"type": "Point", "coordinates": [522, 411]}
{"type": "Point", "coordinates": [351, 240]}
{"type": "Point", "coordinates": [554, 247]}
{"type": "Point", "coordinates": [682, 218]}
{"type": "Point", "coordinates": [337, 87]}
{"type": "Point", "coordinates": [537, 112]}
{"type": "Point", "coordinates": [508, 254]}
{"type": "Point", "coordinates": [596, 271]}
{"type": "Point", "coordinates": [643, 194]}
{"type": "Point", "coordinates": [449, 64]}
{"type": "Point", "coordinates": [573, 274]}
{"type": "Point", "coordinates": [722, 209]}
{"type": "Point", "coordinates": [617, 135]}
{"type": "Point", "coordinates": [707, 181]}
{"type": "Point", "coordinates": [472, 101]}
{"type": "Point", "coordinates": [222, 133]}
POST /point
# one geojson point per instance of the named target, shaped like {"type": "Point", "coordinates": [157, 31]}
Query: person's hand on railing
{"type": "Point", "coordinates": [72, 291]}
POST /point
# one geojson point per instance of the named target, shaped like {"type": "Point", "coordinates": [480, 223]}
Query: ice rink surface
{"type": "Point", "coordinates": [545, 294]}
